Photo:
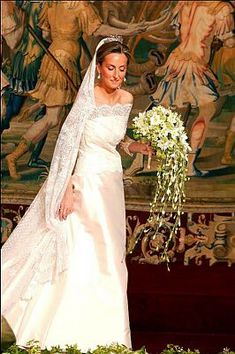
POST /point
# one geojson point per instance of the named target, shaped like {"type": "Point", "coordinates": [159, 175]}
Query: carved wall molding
{"type": "Point", "coordinates": [10, 217]}
{"type": "Point", "coordinates": [201, 238]}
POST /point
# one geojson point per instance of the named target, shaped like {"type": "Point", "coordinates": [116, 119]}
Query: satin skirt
{"type": "Point", "coordinates": [87, 304]}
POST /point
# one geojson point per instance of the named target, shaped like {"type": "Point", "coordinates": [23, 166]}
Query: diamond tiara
{"type": "Point", "coordinates": [113, 38]}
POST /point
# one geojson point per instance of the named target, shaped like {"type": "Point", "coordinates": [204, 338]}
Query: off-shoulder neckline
{"type": "Point", "coordinates": [113, 105]}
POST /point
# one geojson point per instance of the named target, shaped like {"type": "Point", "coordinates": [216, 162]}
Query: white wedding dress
{"type": "Point", "coordinates": [87, 304]}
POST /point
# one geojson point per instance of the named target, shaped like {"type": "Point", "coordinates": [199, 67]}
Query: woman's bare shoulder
{"type": "Point", "coordinates": [125, 97]}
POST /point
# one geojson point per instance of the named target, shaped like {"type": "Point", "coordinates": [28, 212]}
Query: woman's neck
{"type": "Point", "coordinates": [107, 90]}
{"type": "Point", "coordinates": [106, 94]}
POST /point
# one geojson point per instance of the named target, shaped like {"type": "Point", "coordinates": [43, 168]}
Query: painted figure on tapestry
{"type": "Point", "coordinates": [22, 64]}
{"type": "Point", "coordinates": [187, 75]}
{"type": "Point", "coordinates": [223, 66]}
{"type": "Point", "coordinates": [63, 24]}
{"type": "Point", "coordinates": [52, 89]}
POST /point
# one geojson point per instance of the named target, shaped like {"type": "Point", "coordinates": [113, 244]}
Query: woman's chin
{"type": "Point", "coordinates": [115, 85]}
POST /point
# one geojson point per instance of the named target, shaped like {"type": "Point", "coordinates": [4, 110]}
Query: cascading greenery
{"type": "Point", "coordinates": [164, 130]}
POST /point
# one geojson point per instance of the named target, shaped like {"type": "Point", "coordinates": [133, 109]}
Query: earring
{"type": "Point", "coordinates": [98, 76]}
{"type": "Point", "coordinates": [124, 79]}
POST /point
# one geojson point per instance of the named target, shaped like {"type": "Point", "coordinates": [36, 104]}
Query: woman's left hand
{"type": "Point", "coordinates": [143, 148]}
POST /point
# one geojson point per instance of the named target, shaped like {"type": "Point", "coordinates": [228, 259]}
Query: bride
{"type": "Point", "coordinates": [64, 275]}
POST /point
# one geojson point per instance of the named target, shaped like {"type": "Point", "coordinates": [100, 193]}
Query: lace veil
{"type": "Point", "coordinates": [38, 247]}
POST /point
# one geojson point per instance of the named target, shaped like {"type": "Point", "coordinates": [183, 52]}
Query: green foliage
{"type": "Point", "coordinates": [227, 351]}
{"type": "Point", "coordinates": [176, 349]}
{"type": "Point", "coordinates": [34, 348]}
{"type": "Point", "coordinates": [117, 349]}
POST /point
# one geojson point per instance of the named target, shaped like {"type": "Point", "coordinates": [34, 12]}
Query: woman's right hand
{"type": "Point", "coordinates": [66, 205]}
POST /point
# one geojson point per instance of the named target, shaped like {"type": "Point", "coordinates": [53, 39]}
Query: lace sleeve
{"type": "Point", "coordinates": [125, 143]}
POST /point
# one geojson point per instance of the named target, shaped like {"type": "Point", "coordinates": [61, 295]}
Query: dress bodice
{"type": "Point", "coordinates": [102, 133]}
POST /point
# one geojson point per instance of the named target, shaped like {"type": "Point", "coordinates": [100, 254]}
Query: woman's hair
{"type": "Point", "coordinates": [112, 47]}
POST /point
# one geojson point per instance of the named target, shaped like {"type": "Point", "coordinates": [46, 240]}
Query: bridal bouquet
{"type": "Point", "coordinates": [164, 130]}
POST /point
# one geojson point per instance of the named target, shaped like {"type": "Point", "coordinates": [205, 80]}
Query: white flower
{"type": "Point", "coordinates": [165, 131]}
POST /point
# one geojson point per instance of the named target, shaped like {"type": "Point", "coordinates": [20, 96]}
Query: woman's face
{"type": "Point", "coordinates": [112, 70]}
